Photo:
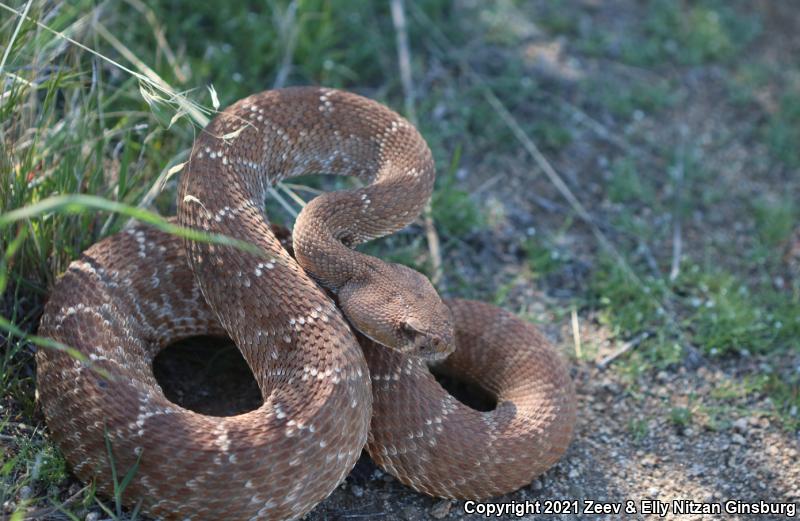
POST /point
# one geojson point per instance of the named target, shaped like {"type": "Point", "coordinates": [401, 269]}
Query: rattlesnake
{"type": "Point", "coordinates": [132, 294]}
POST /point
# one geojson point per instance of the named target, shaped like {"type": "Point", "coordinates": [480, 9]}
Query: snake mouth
{"type": "Point", "coordinates": [426, 355]}
{"type": "Point", "coordinates": [428, 345]}
{"type": "Point", "coordinates": [433, 351]}
{"type": "Point", "coordinates": [428, 349]}
{"type": "Point", "coordinates": [424, 344]}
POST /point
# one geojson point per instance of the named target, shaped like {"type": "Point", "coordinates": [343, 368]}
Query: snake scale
{"type": "Point", "coordinates": [295, 321]}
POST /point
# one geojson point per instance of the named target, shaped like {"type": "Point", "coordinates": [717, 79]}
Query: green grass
{"type": "Point", "coordinates": [37, 465]}
{"type": "Point", "coordinates": [639, 429]}
{"type": "Point", "coordinates": [690, 34]}
{"type": "Point", "coordinates": [625, 100]}
{"type": "Point", "coordinates": [119, 485]}
{"type": "Point", "coordinates": [728, 316]}
{"type": "Point", "coordinates": [785, 394]}
{"type": "Point", "coordinates": [729, 308]}
{"type": "Point", "coordinates": [667, 32]}
{"type": "Point", "coordinates": [624, 305]}
{"type": "Point", "coordinates": [720, 313]}
{"type": "Point", "coordinates": [454, 210]}
{"type": "Point", "coordinates": [629, 185]}
{"type": "Point", "coordinates": [715, 311]}
{"type": "Point", "coordinates": [543, 258]}
{"type": "Point", "coordinates": [680, 417]}
{"type": "Point", "coordinates": [551, 136]}
{"type": "Point", "coordinates": [635, 312]}
{"type": "Point", "coordinates": [557, 18]}
{"type": "Point", "coordinates": [772, 89]}
{"type": "Point", "coordinates": [747, 80]}
{"type": "Point", "coordinates": [782, 131]}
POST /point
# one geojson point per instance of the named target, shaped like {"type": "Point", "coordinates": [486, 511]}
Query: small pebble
{"type": "Point", "coordinates": [649, 461]}
{"type": "Point", "coordinates": [772, 450]}
{"type": "Point", "coordinates": [357, 490]}
{"type": "Point", "coordinates": [441, 509]}
{"type": "Point", "coordinates": [740, 425]}
{"type": "Point", "coordinates": [25, 492]}
{"type": "Point", "coordinates": [92, 516]}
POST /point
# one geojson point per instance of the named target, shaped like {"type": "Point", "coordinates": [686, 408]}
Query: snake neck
{"type": "Point", "coordinates": [259, 141]}
{"type": "Point", "coordinates": [330, 226]}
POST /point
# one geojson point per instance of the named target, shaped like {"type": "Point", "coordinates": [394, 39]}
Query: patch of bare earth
{"type": "Point", "coordinates": [629, 446]}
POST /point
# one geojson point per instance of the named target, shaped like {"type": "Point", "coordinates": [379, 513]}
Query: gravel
{"type": "Point", "coordinates": [750, 458]}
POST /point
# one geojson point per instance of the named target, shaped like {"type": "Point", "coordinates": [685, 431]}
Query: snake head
{"type": "Point", "coordinates": [398, 307]}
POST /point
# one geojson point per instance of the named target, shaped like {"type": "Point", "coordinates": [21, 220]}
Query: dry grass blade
{"type": "Point", "coordinates": [404, 61]}
{"type": "Point", "coordinates": [288, 30]}
{"type": "Point", "coordinates": [404, 57]}
{"type": "Point", "coordinates": [622, 349]}
{"type": "Point", "coordinates": [161, 39]}
{"type": "Point", "coordinates": [646, 147]}
{"type": "Point", "coordinates": [156, 85]}
{"type": "Point", "coordinates": [197, 113]}
{"type": "Point", "coordinates": [44, 513]}
{"type": "Point", "coordinates": [274, 193]}
{"type": "Point", "coordinates": [677, 235]}
{"type": "Point", "coordinates": [161, 181]}
{"type": "Point", "coordinates": [10, 44]}
{"type": "Point", "coordinates": [576, 333]}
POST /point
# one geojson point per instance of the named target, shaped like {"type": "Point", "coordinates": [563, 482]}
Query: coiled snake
{"type": "Point", "coordinates": [134, 293]}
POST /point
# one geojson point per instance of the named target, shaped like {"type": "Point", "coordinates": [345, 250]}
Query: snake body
{"type": "Point", "coordinates": [129, 296]}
